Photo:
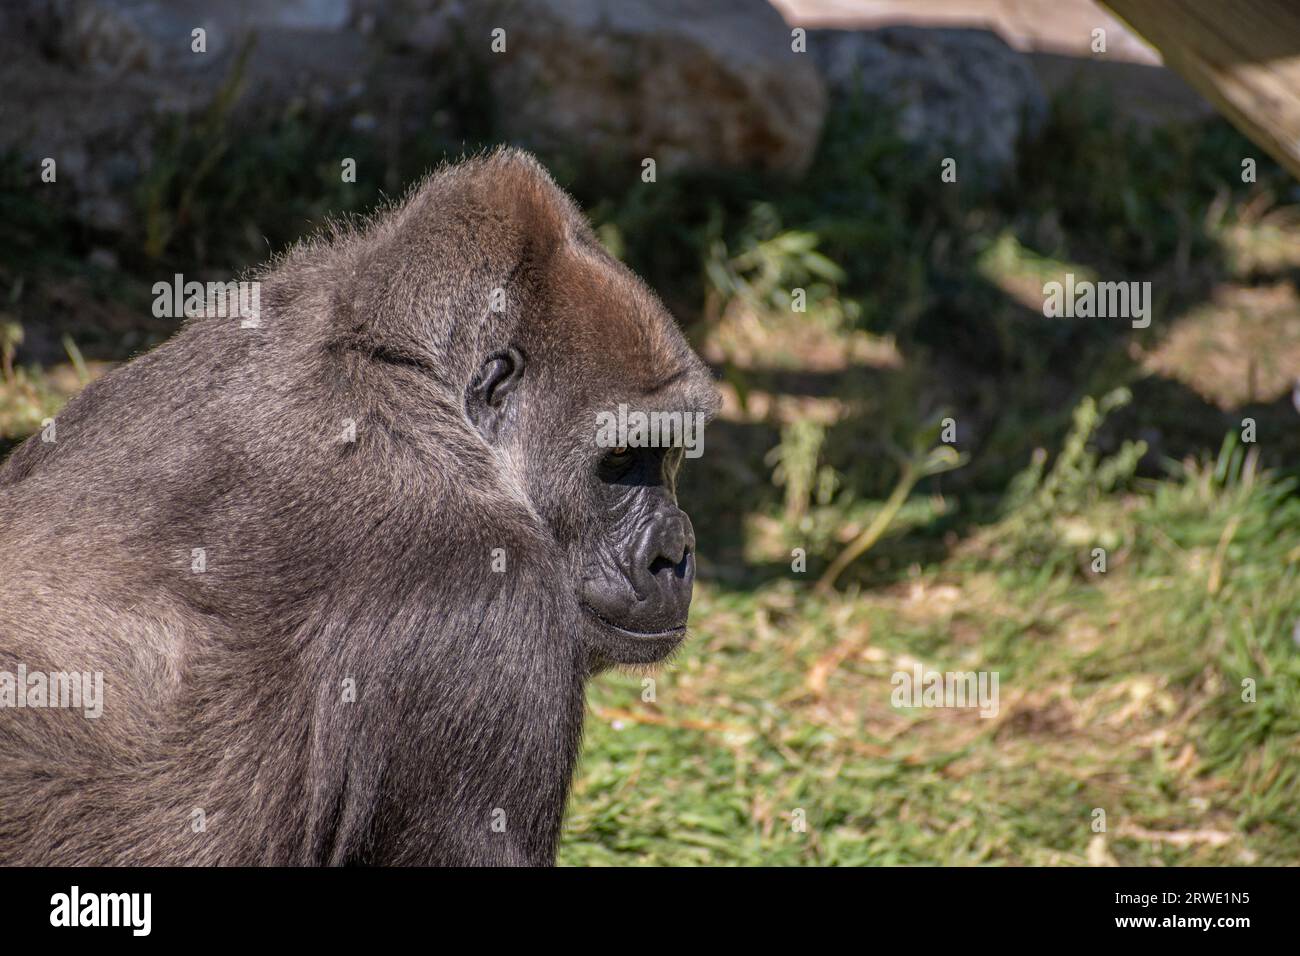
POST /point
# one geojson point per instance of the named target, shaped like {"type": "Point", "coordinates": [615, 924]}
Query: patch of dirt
{"type": "Point", "coordinates": [1241, 348]}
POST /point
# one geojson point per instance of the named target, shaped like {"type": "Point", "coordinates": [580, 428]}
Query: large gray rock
{"type": "Point", "coordinates": [682, 82]}
{"type": "Point", "coordinates": [959, 93]}
{"type": "Point", "coordinates": [85, 80]}
{"type": "Point", "coordinates": [117, 36]}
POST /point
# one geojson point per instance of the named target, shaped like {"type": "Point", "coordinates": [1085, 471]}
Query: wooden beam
{"type": "Point", "coordinates": [1241, 55]}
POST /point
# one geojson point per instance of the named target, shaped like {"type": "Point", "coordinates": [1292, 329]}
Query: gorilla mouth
{"type": "Point", "coordinates": [629, 631]}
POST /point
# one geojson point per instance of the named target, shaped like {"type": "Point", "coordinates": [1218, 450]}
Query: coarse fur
{"type": "Point", "coordinates": [329, 562]}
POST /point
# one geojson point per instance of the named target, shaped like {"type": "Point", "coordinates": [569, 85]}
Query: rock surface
{"type": "Point", "coordinates": [688, 84]}
{"type": "Point", "coordinates": [86, 80]}
{"type": "Point", "coordinates": [715, 86]}
{"type": "Point", "coordinates": [959, 93]}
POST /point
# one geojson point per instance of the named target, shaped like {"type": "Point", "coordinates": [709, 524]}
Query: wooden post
{"type": "Point", "coordinates": [1241, 55]}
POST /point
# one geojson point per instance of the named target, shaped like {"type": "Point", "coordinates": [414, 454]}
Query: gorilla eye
{"type": "Point", "coordinates": [617, 460]}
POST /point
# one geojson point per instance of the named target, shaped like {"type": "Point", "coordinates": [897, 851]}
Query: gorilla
{"type": "Point", "coordinates": [345, 569]}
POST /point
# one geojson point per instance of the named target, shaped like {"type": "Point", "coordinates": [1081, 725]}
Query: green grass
{"type": "Point", "coordinates": [1120, 691]}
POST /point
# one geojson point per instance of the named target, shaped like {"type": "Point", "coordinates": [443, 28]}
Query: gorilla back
{"type": "Point", "coordinates": [346, 568]}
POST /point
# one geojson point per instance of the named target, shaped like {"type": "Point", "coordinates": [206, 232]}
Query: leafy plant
{"type": "Point", "coordinates": [795, 467]}
{"type": "Point", "coordinates": [923, 460]}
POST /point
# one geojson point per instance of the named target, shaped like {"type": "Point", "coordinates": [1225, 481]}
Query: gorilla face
{"type": "Point", "coordinates": [601, 344]}
{"type": "Point", "coordinates": [636, 586]}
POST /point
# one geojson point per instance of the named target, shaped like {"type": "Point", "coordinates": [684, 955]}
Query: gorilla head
{"type": "Point", "coordinates": [568, 334]}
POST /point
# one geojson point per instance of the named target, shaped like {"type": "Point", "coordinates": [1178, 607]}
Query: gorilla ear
{"type": "Point", "coordinates": [485, 402]}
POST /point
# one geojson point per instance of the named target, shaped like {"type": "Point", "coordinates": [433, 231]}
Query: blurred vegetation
{"type": "Point", "coordinates": [848, 316]}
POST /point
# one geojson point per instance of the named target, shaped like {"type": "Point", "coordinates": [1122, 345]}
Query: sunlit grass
{"type": "Point", "coordinates": [1120, 692]}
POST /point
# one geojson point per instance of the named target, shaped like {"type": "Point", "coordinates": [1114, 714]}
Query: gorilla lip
{"type": "Point", "coordinates": [680, 628]}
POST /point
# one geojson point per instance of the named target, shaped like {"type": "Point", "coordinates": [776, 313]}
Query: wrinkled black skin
{"type": "Point", "coordinates": [641, 581]}
{"type": "Point", "coordinates": [368, 561]}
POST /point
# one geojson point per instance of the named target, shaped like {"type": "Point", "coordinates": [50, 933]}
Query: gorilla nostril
{"type": "Point", "coordinates": [678, 567]}
{"type": "Point", "coordinates": [670, 544]}
{"type": "Point", "coordinates": [660, 564]}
